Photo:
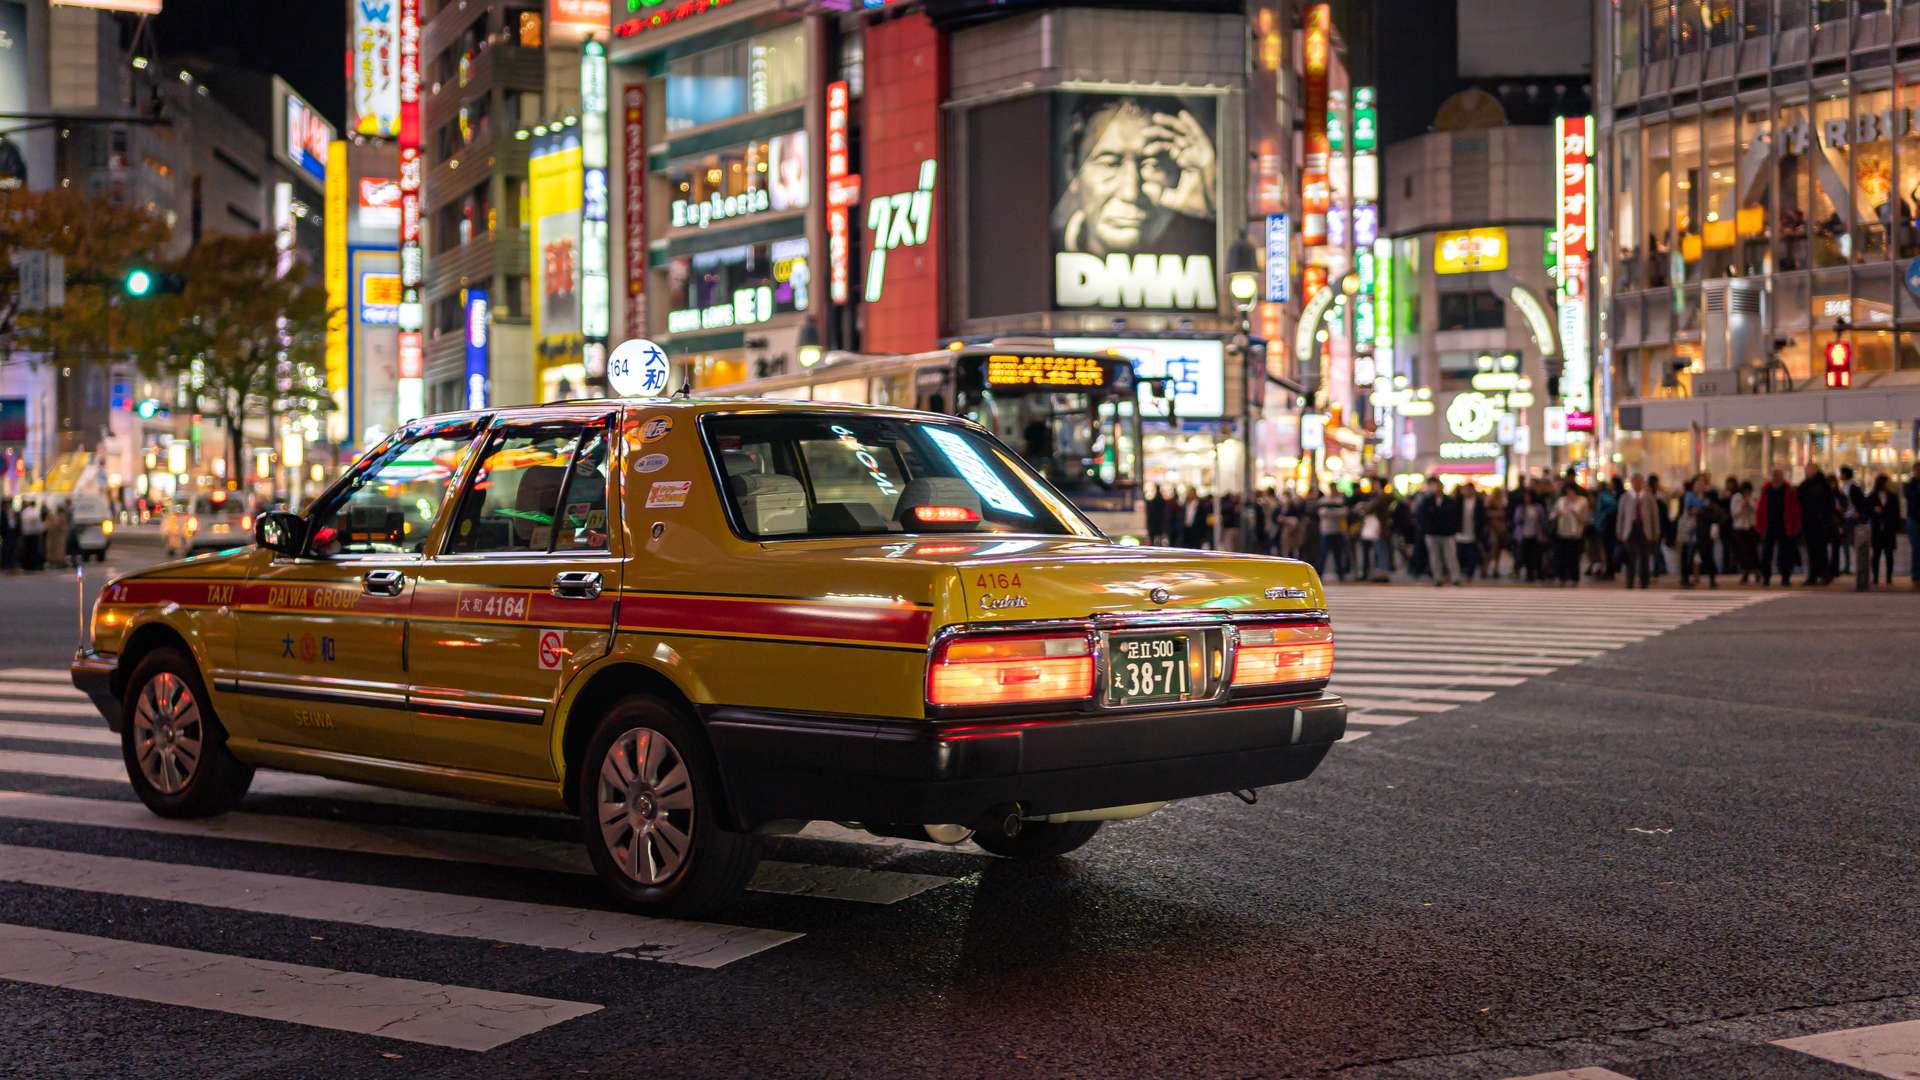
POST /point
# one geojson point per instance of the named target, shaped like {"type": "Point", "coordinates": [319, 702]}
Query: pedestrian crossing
{"type": "Point", "coordinates": [310, 853]}
{"type": "Point", "coordinates": [1888, 1050]}
{"type": "Point", "coordinates": [1401, 653]}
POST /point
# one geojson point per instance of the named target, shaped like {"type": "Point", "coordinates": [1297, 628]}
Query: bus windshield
{"type": "Point", "coordinates": [1082, 443]}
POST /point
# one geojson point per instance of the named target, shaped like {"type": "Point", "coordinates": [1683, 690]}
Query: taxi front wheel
{"type": "Point", "coordinates": [649, 796]}
{"type": "Point", "coordinates": [174, 747]}
{"type": "Point", "coordinates": [1039, 839]}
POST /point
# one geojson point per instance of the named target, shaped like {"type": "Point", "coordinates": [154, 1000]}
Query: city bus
{"type": "Point", "coordinates": [1073, 416]}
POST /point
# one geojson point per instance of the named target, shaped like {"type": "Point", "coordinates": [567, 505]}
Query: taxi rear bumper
{"type": "Point", "coordinates": [781, 766]}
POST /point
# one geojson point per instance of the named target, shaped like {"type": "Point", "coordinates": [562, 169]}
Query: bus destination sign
{"type": "Point", "coordinates": [1015, 370]}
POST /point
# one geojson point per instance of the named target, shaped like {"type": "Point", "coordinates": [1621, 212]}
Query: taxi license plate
{"type": "Point", "coordinates": [1147, 669]}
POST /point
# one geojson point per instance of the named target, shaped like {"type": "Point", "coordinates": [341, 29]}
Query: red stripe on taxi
{"type": "Point", "coordinates": [894, 624]}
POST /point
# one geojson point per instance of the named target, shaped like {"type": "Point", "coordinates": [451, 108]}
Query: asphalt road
{"type": "Point", "coordinates": [1655, 834]}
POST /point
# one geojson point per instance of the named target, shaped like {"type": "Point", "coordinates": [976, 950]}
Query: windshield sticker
{"type": "Point", "coordinates": [667, 493]}
{"type": "Point", "coordinates": [650, 463]}
{"type": "Point", "coordinates": [978, 475]}
{"type": "Point", "coordinates": [656, 429]}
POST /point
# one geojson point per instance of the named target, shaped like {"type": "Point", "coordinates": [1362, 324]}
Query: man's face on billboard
{"type": "Point", "coordinates": [1119, 182]}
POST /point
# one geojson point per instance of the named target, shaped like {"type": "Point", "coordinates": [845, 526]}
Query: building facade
{"type": "Point", "coordinates": [1758, 297]}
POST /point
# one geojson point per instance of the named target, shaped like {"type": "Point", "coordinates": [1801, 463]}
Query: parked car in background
{"type": "Point", "coordinates": [205, 521]}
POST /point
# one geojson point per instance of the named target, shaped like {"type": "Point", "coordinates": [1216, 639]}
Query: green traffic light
{"type": "Point", "coordinates": [139, 283]}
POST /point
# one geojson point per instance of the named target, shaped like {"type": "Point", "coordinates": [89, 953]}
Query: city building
{"type": "Point", "coordinates": [806, 186]}
{"type": "Point", "coordinates": [1757, 296]}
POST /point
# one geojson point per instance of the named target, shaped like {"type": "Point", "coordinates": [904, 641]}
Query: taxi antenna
{"type": "Point", "coordinates": [686, 387]}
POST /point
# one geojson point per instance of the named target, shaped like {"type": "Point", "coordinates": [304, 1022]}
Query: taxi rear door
{"type": "Point", "coordinates": [519, 595]}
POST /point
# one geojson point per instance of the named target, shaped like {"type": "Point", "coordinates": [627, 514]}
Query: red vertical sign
{"type": "Point", "coordinates": [1316, 192]}
{"type": "Point", "coordinates": [839, 198]}
{"type": "Point", "coordinates": [411, 358]}
{"type": "Point", "coordinates": [634, 147]}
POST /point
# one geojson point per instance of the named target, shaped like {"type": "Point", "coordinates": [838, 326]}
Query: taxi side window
{"type": "Point", "coordinates": [389, 506]}
{"type": "Point", "coordinates": [514, 502]}
{"type": "Point", "coordinates": [582, 525]}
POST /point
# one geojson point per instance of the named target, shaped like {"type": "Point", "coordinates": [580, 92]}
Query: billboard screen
{"type": "Point", "coordinates": [373, 99]}
{"type": "Point", "coordinates": [1135, 221]}
{"type": "Point", "coordinates": [557, 183]}
{"type": "Point", "coordinates": [304, 134]}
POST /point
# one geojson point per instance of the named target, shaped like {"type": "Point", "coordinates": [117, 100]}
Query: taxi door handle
{"type": "Point", "coordinates": [384, 582]}
{"type": "Point", "coordinates": [577, 585]}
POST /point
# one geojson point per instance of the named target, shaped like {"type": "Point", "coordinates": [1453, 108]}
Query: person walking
{"type": "Point", "coordinates": [1439, 523]}
{"type": "Point", "coordinates": [1746, 541]}
{"type": "Point", "coordinates": [1606, 506]}
{"type": "Point", "coordinates": [1156, 517]}
{"type": "Point", "coordinates": [1856, 531]}
{"type": "Point", "coordinates": [1529, 533]}
{"type": "Point", "coordinates": [54, 552]}
{"type": "Point", "coordinates": [1698, 514]}
{"type": "Point", "coordinates": [1376, 536]}
{"type": "Point", "coordinates": [1639, 531]}
{"type": "Point", "coordinates": [1473, 530]}
{"type": "Point", "coordinates": [1572, 514]}
{"type": "Point", "coordinates": [1777, 519]}
{"type": "Point", "coordinates": [33, 535]}
{"type": "Point", "coordinates": [9, 535]}
{"type": "Point", "coordinates": [1189, 523]}
{"type": "Point", "coordinates": [1816, 525]}
{"type": "Point", "coordinates": [1883, 524]}
{"type": "Point", "coordinates": [1331, 511]}
{"type": "Point", "coordinates": [1910, 498]}
{"type": "Point", "coordinates": [1664, 538]}
{"type": "Point", "coordinates": [1499, 530]}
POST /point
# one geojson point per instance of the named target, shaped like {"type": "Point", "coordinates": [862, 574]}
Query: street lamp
{"type": "Point", "coordinates": [1243, 284]}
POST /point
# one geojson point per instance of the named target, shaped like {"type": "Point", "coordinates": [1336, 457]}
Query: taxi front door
{"type": "Point", "coordinates": [519, 596]}
{"type": "Point", "coordinates": [322, 637]}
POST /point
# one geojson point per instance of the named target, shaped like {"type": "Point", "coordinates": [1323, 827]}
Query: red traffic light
{"type": "Point", "coordinates": [1839, 365]}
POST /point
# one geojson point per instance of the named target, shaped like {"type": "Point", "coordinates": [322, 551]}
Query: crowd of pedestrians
{"type": "Point", "coordinates": [36, 537]}
{"type": "Point", "coordinates": [1624, 528]}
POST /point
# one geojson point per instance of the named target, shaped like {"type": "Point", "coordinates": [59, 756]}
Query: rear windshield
{"type": "Point", "coordinates": [842, 474]}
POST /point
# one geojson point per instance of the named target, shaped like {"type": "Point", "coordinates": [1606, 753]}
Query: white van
{"type": "Point", "coordinates": [92, 524]}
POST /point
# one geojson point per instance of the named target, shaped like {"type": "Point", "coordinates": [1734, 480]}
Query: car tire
{"type": "Point", "coordinates": [1039, 839]}
{"type": "Point", "coordinates": [174, 746]}
{"type": "Point", "coordinates": [660, 847]}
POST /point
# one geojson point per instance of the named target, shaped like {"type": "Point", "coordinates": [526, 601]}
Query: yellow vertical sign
{"type": "Point", "coordinates": [335, 258]}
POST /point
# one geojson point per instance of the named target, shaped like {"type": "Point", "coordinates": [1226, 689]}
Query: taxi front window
{"type": "Point", "coordinates": [794, 475]}
{"type": "Point", "coordinates": [389, 506]}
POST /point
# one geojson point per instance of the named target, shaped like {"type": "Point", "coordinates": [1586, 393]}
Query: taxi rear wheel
{"type": "Point", "coordinates": [1039, 839]}
{"type": "Point", "coordinates": [174, 747]}
{"type": "Point", "coordinates": [649, 797]}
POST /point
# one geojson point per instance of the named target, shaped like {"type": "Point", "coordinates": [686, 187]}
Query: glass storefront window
{"type": "Point", "coordinates": [1872, 176]}
{"type": "Point", "coordinates": [1719, 22]}
{"type": "Point", "coordinates": [768, 176]}
{"type": "Point", "coordinates": [1868, 7]}
{"type": "Point", "coordinates": [1626, 36]}
{"type": "Point", "coordinates": [1754, 17]}
{"type": "Point", "coordinates": [737, 286]}
{"type": "Point", "coordinates": [1829, 214]}
{"type": "Point", "coordinates": [1752, 220]}
{"type": "Point", "coordinates": [1793, 356]}
{"type": "Point", "coordinates": [1906, 353]}
{"type": "Point", "coordinates": [1826, 11]}
{"type": "Point", "coordinates": [1872, 351]}
{"type": "Point", "coordinates": [763, 72]}
{"type": "Point", "coordinates": [1659, 29]}
{"type": "Point", "coordinates": [1691, 25]}
{"type": "Point", "coordinates": [1658, 205]}
{"type": "Point", "coordinates": [1906, 192]}
{"type": "Point", "coordinates": [1719, 228]}
{"type": "Point", "coordinates": [1873, 316]}
{"type": "Point", "coordinates": [1793, 14]}
{"type": "Point", "coordinates": [1688, 195]}
{"type": "Point", "coordinates": [1626, 233]}
{"type": "Point", "coordinates": [1791, 141]}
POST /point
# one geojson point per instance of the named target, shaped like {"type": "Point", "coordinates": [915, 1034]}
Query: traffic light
{"type": "Point", "coordinates": [141, 283]}
{"type": "Point", "coordinates": [1839, 366]}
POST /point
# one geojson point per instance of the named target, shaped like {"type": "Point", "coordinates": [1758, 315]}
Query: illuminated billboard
{"type": "Point", "coordinates": [301, 134]}
{"type": "Point", "coordinates": [556, 182]}
{"type": "Point", "coordinates": [373, 99]}
{"type": "Point", "coordinates": [1316, 191]}
{"type": "Point", "coordinates": [1196, 367]}
{"type": "Point", "coordinates": [1136, 202]}
{"type": "Point", "coordinates": [1467, 251]}
{"type": "Point", "coordinates": [568, 21]}
{"type": "Point", "coordinates": [1573, 191]}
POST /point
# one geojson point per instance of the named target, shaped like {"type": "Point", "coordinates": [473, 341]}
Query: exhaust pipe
{"type": "Point", "coordinates": [1007, 819]}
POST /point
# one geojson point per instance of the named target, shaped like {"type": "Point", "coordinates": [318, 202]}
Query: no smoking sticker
{"type": "Point", "coordinates": [553, 650]}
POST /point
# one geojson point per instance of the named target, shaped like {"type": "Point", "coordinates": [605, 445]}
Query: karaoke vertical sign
{"type": "Point", "coordinates": [410, 390]}
{"type": "Point", "coordinates": [841, 195]}
{"type": "Point", "coordinates": [1573, 201]}
{"type": "Point", "coordinates": [634, 181]}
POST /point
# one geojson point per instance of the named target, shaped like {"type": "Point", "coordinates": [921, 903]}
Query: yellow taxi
{"type": "Point", "coordinates": [697, 623]}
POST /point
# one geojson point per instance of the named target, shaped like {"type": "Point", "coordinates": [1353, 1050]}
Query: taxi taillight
{"type": "Point", "coordinates": [1273, 654]}
{"type": "Point", "coordinates": [1010, 670]}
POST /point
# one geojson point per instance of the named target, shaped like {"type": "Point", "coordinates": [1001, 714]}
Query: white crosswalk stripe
{"type": "Point", "coordinates": [1402, 653]}
{"type": "Point", "coordinates": [1889, 1050]}
{"type": "Point", "coordinates": [37, 740]}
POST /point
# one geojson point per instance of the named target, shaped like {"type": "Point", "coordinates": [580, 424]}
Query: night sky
{"type": "Point", "coordinates": [303, 41]}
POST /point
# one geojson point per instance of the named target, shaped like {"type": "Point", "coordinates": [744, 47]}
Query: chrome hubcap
{"type": "Point", "coordinates": [646, 805]}
{"type": "Point", "coordinates": [167, 733]}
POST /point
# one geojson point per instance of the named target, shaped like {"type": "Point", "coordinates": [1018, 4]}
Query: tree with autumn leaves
{"type": "Point", "coordinates": [247, 340]}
